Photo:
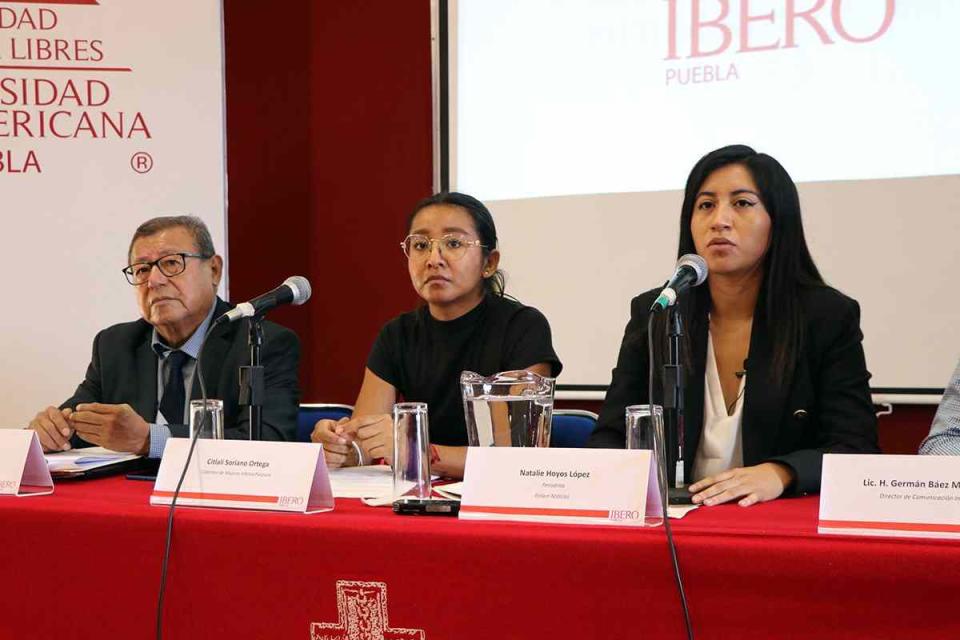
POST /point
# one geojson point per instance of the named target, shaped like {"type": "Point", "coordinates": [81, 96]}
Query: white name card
{"type": "Point", "coordinates": [244, 474]}
{"type": "Point", "coordinates": [23, 469]}
{"type": "Point", "coordinates": [903, 496]}
{"type": "Point", "coordinates": [571, 486]}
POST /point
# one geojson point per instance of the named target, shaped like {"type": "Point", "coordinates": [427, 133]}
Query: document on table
{"type": "Point", "coordinates": [677, 511]}
{"type": "Point", "coordinates": [79, 461]}
{"type": "Point", "coordinates": [370, 481]}
{"type": "Point", "coordinates": [451, 491]}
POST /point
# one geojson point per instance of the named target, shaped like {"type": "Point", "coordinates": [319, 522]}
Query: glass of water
{"type": "Point", "coordinates": [211, 420]}
{"type": "Point", "coordinates": [411, 451]}
{"type": "Point", "coordinates": [643, 421]}
{"type": "Point", "coordinates": [509, 409]}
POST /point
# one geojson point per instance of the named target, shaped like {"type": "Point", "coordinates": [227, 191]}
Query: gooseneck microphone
{"type": "Point", "coordinates": [691, 271]}
{"type": "Point", "coordinates": [294, 290]}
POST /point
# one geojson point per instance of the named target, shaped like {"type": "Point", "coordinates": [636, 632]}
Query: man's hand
{"type": "Point", "coordinates": [53, 428]}
{"type": "Point", "coordinates": [754, 484]}
{"type": "Point", "coordinates": [114, 426]}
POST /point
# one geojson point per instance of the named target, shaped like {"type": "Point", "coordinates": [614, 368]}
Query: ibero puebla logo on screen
{"type": "Point", "coordinates": [703, 36]}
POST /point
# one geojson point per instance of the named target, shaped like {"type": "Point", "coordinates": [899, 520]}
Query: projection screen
{"type": "Point", "coordinates": [577, 123]}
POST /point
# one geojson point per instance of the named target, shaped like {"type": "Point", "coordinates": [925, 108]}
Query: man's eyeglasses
{"type": "Point", "coordinates": [170, 265]}
{"type": "Point", "coordinates": [452, 246]}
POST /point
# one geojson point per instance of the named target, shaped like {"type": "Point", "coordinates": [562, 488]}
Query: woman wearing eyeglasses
{"type": "Point", "coordinates": [466, 325]}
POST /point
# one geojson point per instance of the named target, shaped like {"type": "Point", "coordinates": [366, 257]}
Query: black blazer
{"type": "Point", "coordinates": [826, 409]}
{"type": "Point", "coordinates": [123, 370]}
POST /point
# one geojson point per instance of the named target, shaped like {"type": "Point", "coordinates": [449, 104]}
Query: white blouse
{"type": "Point", "coordinates": [721, 445]}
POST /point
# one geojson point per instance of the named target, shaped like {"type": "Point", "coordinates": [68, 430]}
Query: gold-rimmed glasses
{"type": "Point", "coordinates": [453, 246]}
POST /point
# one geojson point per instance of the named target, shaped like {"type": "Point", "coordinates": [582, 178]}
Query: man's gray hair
{"type": "Point", "coordinates": [193, 224]}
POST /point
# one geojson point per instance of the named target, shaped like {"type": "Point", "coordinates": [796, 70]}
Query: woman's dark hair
{"type": "Point", "coordinates": [482, 220]}
{"type": "Point", "coordinates": [788, 265]}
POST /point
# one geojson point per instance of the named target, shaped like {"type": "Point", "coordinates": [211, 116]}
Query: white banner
{"type": "Point", "coordinates": [111, 112]}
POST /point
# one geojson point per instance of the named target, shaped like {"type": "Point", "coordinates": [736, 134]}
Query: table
{"type": "Point", "coordinates": [85, 562]}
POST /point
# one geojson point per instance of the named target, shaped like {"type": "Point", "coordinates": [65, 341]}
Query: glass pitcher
{"type": "Point", "coordinates": [509, 409]}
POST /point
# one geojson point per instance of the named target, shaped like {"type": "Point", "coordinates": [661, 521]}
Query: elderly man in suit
{"type": "Point", "coordinates": [136, 391]}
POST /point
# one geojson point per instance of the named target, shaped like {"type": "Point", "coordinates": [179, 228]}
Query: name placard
{"type": "Point", "coordinates": [571, 486]}
{"type": "Point", "coordinates": [23, 469]}
{"type": "Point", "coordinates": [244, 474]}
{"type": "Point", "coordinates": [902, 496]}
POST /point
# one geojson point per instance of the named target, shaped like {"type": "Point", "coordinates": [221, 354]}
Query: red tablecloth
{"type": "Point", "coordinates": [85, 563]}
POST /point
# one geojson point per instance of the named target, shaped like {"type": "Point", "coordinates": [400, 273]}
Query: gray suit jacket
{"type": "Point", "coordinates": [944, 437]}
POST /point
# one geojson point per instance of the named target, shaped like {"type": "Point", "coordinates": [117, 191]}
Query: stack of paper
{"type": "Point", "coordinates": [67, 464]}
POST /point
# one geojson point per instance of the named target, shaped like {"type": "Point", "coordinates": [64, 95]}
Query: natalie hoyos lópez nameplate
{"type": "Point", "coordinates": [572, 486]}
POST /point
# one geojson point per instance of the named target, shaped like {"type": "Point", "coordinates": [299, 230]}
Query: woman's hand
{"type": "Point", "coordinates": [337, 440]}
{"type": "Point", "coordinates": [759, 483]}
{"type": "Point", "coordinates": [448, 462]}
{"type": "Point", "coordinates": [374, 434]}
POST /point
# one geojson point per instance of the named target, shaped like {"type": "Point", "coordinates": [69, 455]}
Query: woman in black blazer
{"type": "Point", "coordinates": [787, 349]}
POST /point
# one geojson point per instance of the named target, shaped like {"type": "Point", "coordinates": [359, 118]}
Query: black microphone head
{"type": "Point", "coordinates": [300, 287]}
{"type": "Point", "coordinates": [695, 262]}
{"type": "Point", "coordinates": [743, 371]}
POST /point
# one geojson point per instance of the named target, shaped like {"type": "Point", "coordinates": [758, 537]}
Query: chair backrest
{"type": "Point", "coordinates": [310, 413]}
{"type": "Point", "coordinates": [571, 428]}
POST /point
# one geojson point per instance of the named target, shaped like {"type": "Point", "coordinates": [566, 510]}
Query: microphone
{"type": "Point", "coordinates": [743, 371]}
{"type": "Point", "coordinates": [294, 290]}
{"type": "Point", "coordinates": [691, 271]}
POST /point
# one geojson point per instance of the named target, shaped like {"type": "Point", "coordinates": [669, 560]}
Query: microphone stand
{"type": "Point", "coordinates": [673, 411]}
{"type": "Point", "coordinates": [252, 379]}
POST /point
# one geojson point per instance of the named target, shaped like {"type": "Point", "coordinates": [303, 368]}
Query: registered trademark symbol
{"type": "Point", "coordinates": [141, 162]}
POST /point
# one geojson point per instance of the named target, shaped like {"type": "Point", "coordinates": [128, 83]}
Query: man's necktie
{"type": "Point", "coordinates": [171, 404]}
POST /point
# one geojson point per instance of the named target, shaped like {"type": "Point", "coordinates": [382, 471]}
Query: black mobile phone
{"type": "Point", "coordinates": [145, 469]}
{"type": "Point", "coordinates": [150, 477]}
{"type": "Point", "coordinates": [418, 507]}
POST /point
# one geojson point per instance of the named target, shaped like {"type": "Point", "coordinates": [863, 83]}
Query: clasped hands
{"type": "Point", "coordinates": [373, 433]}
{"type": "Point", "coordinates": [759, 483]}
{"type": "Point", "coordinates": [113, 426]}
